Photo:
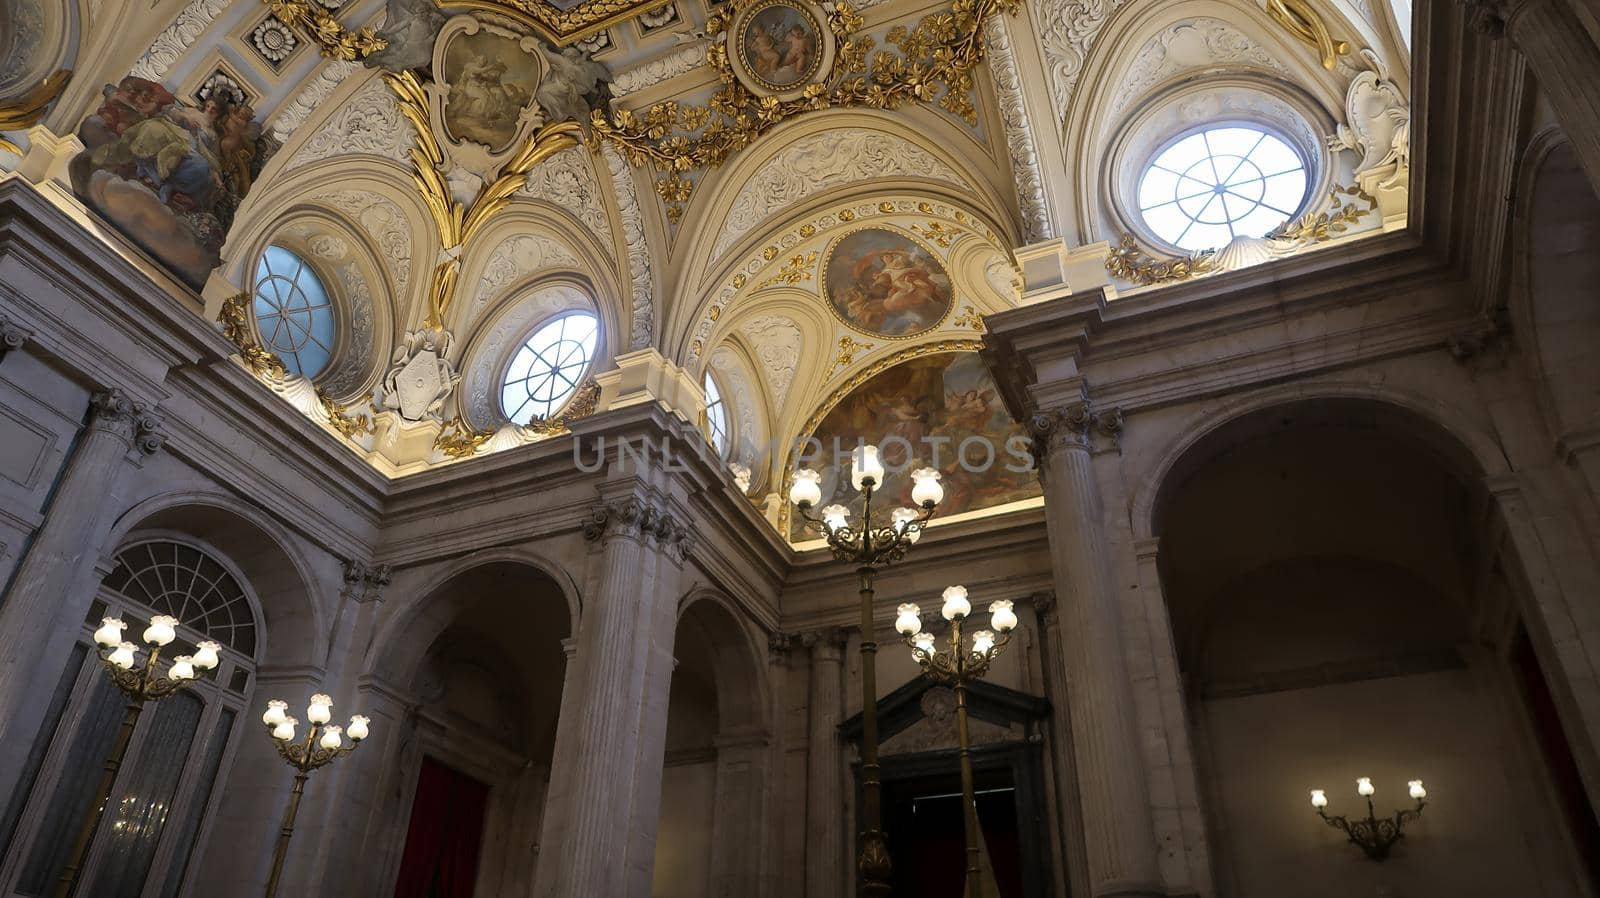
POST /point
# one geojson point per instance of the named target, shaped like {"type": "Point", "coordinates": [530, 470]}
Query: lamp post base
{"type": "Point", "coordinates": [874, 864]}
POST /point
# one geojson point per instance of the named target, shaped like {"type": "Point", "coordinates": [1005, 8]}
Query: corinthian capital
{"type": "Point", "coordinates": [1076, 425]}
{"type": "Point", "coordinates": [642, 521]}
{"type": "Point", "coordinates": [116, 411]}
{"type": "Point", "coordinates": [12, 335]}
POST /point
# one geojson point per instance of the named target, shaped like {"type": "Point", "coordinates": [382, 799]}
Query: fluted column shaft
{"type": "Point", "coordinates": [606, 752]}
{"type": "Point", "coordinates": [1118, 831]}
{"type": "Point", "coordinates": [827, 857]}
{"type": "Point", "coordinates": [1565, 61]}
{"type": "Point", "coordinates": [52, 590]}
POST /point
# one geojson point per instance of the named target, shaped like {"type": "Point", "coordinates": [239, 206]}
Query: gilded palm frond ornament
{"type": "Point", "coordinates": [1302, 20]}
{"type": "Point", "coordinates": [930, 62]}
{"type": "Point", "coordinates": [26, 110]}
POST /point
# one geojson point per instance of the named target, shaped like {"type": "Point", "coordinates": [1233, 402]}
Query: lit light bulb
{"type": "Point", "coordinates": [908, 620]}
{"type": "Point", "coordinates": [330, 737]}
{"type": "Point", "coordinates": [182, 669]}
{"type": "Point", "coordinates": [1364, 787]}
{"type": "Point", "coordinates": [835, 517]}
{"type": "Point", "coordinates": [277, 712]}
{"type": "Point", "coordinates": [902, 518]}
{"type": "Point", "coordinates": [864, 467]}
{"type": "Point", "coordinates": [358, 728]}
{"type": "Point", "coordinates": [122, 656]}
{"type": "Point", "coordinates": [320, 710]}
{"type": "Point", "coordinates": [923, 643]}
{"type": "Point", "coordinates": [1001, 616]}
{"type": "Point", "coordinates": [205, 655]}
{"type": "Point", "coordinates": [806, 490]}
{"type": "Point", "coordinates": [1417, 792]}
{"type": "Point", "coordinates": [925, 490]}
{"type": "Point", "coordinates": [1319, 799]}
{"type": "Point", "coordinates": [162, 630]}
{"type": "Point", "coordinates": [283, 731]}
{"type": "Point", "coordinates": [110, 633]}
{"type": "Point", "coordinates": [955, 603]}
{"type": "Point", "coordinates": [982, 642]}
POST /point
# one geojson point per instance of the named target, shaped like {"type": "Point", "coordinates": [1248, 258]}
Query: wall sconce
{"type": "Point", "coordinates": [1373, 836]}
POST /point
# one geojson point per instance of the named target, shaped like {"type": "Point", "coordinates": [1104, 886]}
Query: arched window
{"type": "Point", "coordinates": [294, 313]}
{"type": "Point", "coordinates": [548, 368]}
{"type": "Point", "coordinates": [164, 794]}
{"type": "Point", "coordinates": [716, 415]}
{"type": "Point", "coordinates": [1219, 183]}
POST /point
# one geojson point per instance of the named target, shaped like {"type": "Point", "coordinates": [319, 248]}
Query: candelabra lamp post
{"type": "Point", "coordinates": [956, 666]}
{"type": "Point", "coordinates": [868, 545]}
{"type": "Point", "coordinates": [1373, 835]}
{"type": "Point", "coordinates": [323, 744]}
{"type": "Point", "coordinates": [140, 683]}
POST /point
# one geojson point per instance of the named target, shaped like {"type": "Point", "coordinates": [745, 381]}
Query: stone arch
{"type": "Point", "coordinates": [738, 661]}
{"type": "Point", "coordinates": [294, 615]}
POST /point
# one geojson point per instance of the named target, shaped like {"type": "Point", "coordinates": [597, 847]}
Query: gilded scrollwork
{"type": "Point", "coordinates": [1130, 262]}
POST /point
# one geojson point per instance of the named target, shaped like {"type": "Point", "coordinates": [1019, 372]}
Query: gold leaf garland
{"type": "Point", "coordinates": [1324, 226]}
{"type": "Point", "coordinates": [1130, 263]}
{"type": "Point", "coordinates": [336, 41]}
{"type": "Point", "coordinates": [934, 62]}
{"type": "Point", "coordinates": [459, 440]}
{"type": "Point", "coordinates": [235, 320]}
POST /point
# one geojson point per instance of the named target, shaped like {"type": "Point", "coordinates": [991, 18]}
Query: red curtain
{"type": "Point", "coordinates": [446, 831]}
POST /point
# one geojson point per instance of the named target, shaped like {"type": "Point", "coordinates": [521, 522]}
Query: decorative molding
{"type": "Point", "coordinates": [296, 112]}
{"type": "Point", "coordinates": [178, 37]}
{"type": "Point", "coordinates": [383, 220]}
{"type": "Point", "coordinates": [519, 256]}
{"type": "Point", "coordinates": [1035, 209]}
{"type": "Point", "coordinates": [643, 522]}
{"type": "Point", "coordinates": [849, 348]}
{"type": "Point", "coordinates": [12, 336]}
{"type": "Point", "coordinates": [671, 65]}
{"type": "Point", "coordinates": [490, 347]}
{"type": "Point", "coordinates": [1305, 23]}
{"type": "Point", "coordinates": [567, 180]}
{"type": "Point", "coordinates": [1076, 425]}
{"type": "Point", "coordinates": [829, 641]}
{"type": "Point", "coordinates": [370, 123]}
{"type": "Point", "coordinates": [633, 234]}
{"type": "Point", "coordinates": [420, 376]}
{"type": "Point", "coordinates": [820, 161]}
{"type": "Point", "coordinates": [274, 41]}
{"type": "Point", "coordinates": [1198, 43]}
{"type": "Point", "coordinates": [356, 359]}
{"type": "Point", "coordinates": [1067, 32]}
{"type": "Point", "coordinates": [314, 20]}
{"type": "Point", "coordinates": [1377, 124]}
{"type": "Point", "coordinates": [1130, 263]}
{"type": "Point", "coordinates": [776, 341]}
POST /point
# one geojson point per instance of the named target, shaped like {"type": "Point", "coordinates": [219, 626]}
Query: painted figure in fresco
{"type": "Point", "coordinates": [884, 283]}
{"type": "Point", "coordinates": [170, 175]}
{"type": "Point", "coordinates": [779, 47]}
{"type": "Point", "coordinates": [574, 86]}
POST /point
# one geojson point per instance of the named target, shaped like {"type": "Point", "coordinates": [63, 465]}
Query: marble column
{"type": "Point", "coordinates": [1563, 58]}
{"type": "Point", "coordinates": [1074, 865]}
{"type": "Point", "coordinates": [606, 747]}
{"type": "Point", "coordinates": [12, 337]}
{"type": "Point", "coordinates": [827, 856]}
{"type": "Point", "coordinates": [1118, 832]}
{"type": "Point", "coordinates": [50, 594]}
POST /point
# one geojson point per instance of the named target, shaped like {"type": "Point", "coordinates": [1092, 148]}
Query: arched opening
{"type": "Point", "coordinates": [1342, 607]}
{"type": "Point", "coordinates": [483, 660]}
{"type": "Point", "coordinates": [708, 841]}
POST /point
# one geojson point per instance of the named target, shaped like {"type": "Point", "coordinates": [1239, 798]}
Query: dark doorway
{"type": "Point", "coordinates": [445, 834]}
{"type": "Point", "coordinates": [927, 838]}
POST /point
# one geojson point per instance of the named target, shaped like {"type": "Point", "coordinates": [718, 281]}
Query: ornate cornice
{"type": "Point", "coordinates": [365, 582]}
{"type": "Point", "coordinates": [642, 521]}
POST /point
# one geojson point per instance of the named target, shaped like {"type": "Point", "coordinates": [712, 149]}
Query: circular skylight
{"type": "Point", "coordinates": [293, 312]}
{"type": "Point", "coordinates": [548, 368]}
{"type": "Point", "coordinates": [1220, 183]}
{"type": "Point", "coordinates": [716, 416]}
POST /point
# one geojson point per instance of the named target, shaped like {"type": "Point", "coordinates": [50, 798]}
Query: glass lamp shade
{"type": "Point", "coordinates": [162, 630]}
{"type": "Point", "coordinates": [330, 737]}
{"type": "Point", "coordinates": [982, 642]}
{"type": "Point", "coordinates": [283, 731]}
{"type": "Point", "coordinates": [277, 712]}
{"type": "Point", "coordinates": [182, 669]}
{"type": "Point", "coordinates": [806, 490]}
{"type": "Point", "coordinates": [902, 518]}
{"type": "Point", "coordinates": [110, 633]}
{"type": "Point", "coordinates": [908, 619]}
{"type": "Point", "coordinates": [122, 656]}
{"type": "Point", "coordinates": [925, 489]}
{"type": "Point", "coordinates": [1364, 787]}
{"type": "Point", "coordinates": [358, 728]}
{"type": "Point", "coordinates": [205, 655]}
{"type": "Point", "coordinates": [1319, 799]}
{"type": "Point", "coordinates": [835, 517]}
{"type": "Point", "coordinates": [1001, 616]}
{"type": "Point", "coordinates": [320, 710]}
{"type": "Point", "coordinates": [1417, 791]}
{"type": "Point", "coordinates": [923, 643]}
{"type": "Point", "coordinates": [955, 603]}
{"type": "Point", "coordinates": [865, 465]}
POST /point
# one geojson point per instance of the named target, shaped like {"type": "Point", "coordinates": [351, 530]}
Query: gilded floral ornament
{"type": "Point", "coordinates": [459, 440]}
{"type": "Point", "coordinates": [934, 62]}
{"type": "Point", "coordinates": [1323, 226]}
{"type": "Point", "coordinates": [234, 317]}
{"type": "Point", "coordinates": [336, 41]}
{"type": "Point", "coordinates": [1130, 263]}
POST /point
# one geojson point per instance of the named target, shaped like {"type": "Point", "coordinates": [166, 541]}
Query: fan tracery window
{"type": "Point", "coordinates": [549, 367]}
{"type": "Point", "coordinates": [172, 578]}
{"type": "Point", "coordinates": [294, 312]}
{"type": "Point", "coordinates": [1222, 182]}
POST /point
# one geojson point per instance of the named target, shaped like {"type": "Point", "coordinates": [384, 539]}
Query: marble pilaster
{"type": "Point", "coordinates": [827, 854]}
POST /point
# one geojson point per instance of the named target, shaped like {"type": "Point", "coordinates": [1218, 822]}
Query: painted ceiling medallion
{"type": "Point", "coordinates": [779, 47]}
{"type": "Point", "coordinates": [483, 100]}
{"type": "Point", "coordinates": [885, 283]}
